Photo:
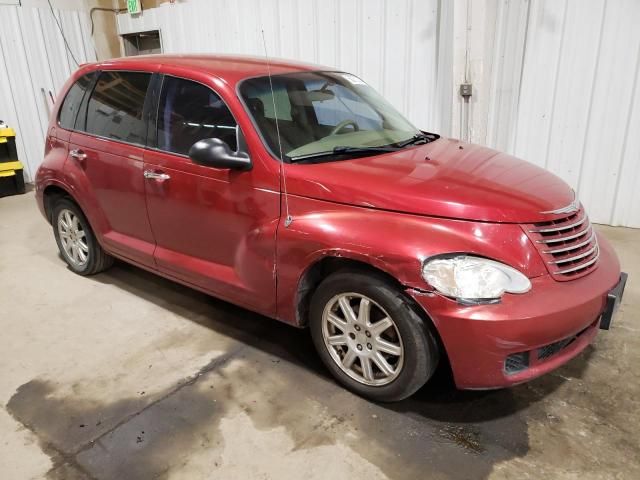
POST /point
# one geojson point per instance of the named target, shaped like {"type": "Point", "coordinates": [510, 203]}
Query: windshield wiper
{"type": "Point", "coordinates": [340, 150]}
{"type": "Point", "coordinates": [337, 151]}
{"type": "Point", "coordinates": [417, 139]}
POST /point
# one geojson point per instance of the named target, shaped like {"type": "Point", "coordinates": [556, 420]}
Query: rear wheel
{"type": "Point", "coordinates": [76, 241]}
{"type": "Point", "coordinates": [370, 337]}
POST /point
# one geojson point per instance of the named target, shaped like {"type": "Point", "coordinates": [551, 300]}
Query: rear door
{"type": "Point", "coordinates": [106, 153]}
{"type": "Point", "coordinates": [214, 228]}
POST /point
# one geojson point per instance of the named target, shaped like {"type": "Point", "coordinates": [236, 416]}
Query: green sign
{"type": "Point", "coordinates": [133, 6]}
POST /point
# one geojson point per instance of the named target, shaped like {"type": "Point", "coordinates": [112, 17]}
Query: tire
{"type": "Point", "coordinates": [86, 257]}
{"type": "Point", "coordinates": [415, 350]}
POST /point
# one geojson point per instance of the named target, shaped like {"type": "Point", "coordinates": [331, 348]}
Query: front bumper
{"type": "Point", "coordinates": [553, 323]}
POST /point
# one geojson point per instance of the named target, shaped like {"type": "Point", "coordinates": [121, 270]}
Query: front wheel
{"type": "Point", "coordinates": [370, 337]}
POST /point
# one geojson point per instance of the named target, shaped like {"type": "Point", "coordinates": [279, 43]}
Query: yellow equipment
{"type": "Point", "coordinates": [11, 174]}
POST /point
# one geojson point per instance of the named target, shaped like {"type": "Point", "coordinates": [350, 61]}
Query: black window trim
{"type": "Point", "coordinates": [241, 144]}
{"type": "Point", "coordinates": [150, 111]}
{"type": "Point", "coordinates": [89, 89]}
{"type": "Point", "coordinates": [85, 99]}
{"type": "Point", "coordinates": [84, 132]}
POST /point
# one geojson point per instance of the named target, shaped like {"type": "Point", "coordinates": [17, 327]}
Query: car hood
{"type": "Point", "coordinates": [445, 178]}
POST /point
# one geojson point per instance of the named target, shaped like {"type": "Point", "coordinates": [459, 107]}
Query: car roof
{"type": "Point", "coordinates": [230, 67]}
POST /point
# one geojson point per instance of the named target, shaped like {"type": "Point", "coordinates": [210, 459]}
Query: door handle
{"type": "Point", "coordinates": [156, 175]}
{"type": "Point", "coordinates": [78, 154]}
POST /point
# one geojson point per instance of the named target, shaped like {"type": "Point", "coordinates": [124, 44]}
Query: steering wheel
{"type": "Point", "coordinates": [345, 123]}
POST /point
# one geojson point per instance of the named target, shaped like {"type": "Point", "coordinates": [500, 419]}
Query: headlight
{"type": "Point", "coordinates": [473, 278]}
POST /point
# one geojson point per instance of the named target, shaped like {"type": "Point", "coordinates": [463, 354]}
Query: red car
{"type": "Point", "coordinates": [296, 191]}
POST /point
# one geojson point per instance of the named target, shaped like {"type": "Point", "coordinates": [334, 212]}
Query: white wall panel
{"type": "Point", "coordinates": [33, 59]}
{"type": "Point", "coordinates": [574, 109]}
{"type": "Point", "coordinates": [392, 44]}
{"type": "Point", "coordinates": [539, 82]}
{"type": "Point", "coordinates": [570, 111]}
{"type": "Point", "coordinates": [505, 51]}
{"type": "Point", "coordinates": [626, 207]}
{"type": "Point", "coordinates": [607, 131]}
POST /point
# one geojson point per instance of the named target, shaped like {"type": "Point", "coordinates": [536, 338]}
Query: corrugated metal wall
{"type": "Point", "coordinates": [391, 44]}
{"type": "Point", "coordinates": [34, 61]}
{"type": "Point", "coordinates": [505, 56]}
{"type": "Point", "coordinates": [574, 106]}
{"type": "Point", "coordinates": [561, 76]}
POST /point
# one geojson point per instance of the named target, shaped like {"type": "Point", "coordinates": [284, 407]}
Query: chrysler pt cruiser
{"type": "Point", "coordinates": [298, 192]}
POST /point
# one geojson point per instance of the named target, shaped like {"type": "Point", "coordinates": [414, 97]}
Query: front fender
{"type": "Point", "coordinates": [393, 242]}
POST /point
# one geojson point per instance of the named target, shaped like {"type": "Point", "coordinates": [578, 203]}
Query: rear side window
{"type": "Point", "coordinates": [73, 100]}
{"type": "Point", "coordinates": [189, 112]}
{"type": "Point", "coordinates": [116, 106]}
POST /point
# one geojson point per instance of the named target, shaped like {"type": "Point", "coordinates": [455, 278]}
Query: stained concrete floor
{"type": "Point", "coordinates": [127, 375]}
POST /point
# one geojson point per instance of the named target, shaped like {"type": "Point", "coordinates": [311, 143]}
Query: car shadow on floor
{"type": "Point", "coordinates": [438, 400]}
{"type": "Point", "coordinates": [438, 429]}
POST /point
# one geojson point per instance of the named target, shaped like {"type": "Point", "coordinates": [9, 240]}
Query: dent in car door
{"type": "Point", "coordinates": [213, 228]}
{"type": "Point", "coordinates": [106, 159]}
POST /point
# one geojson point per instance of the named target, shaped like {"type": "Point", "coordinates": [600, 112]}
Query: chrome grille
{"type": "Point", "coordinates": [568, 245]}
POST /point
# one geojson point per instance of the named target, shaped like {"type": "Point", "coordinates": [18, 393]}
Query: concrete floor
{"type": "Point", "coordinates": [126, 375]}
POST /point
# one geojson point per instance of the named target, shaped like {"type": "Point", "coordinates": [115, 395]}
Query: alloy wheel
{"type": "Point", "coordinates": [362, 339]}
{"type": "Point", "coordinates": [73, 238]}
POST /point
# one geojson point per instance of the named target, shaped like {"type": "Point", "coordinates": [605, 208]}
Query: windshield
{"type": "Point", "coordinates": [323, 112]}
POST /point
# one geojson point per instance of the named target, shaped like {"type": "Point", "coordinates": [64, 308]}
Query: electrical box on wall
{"type": "Point", "coordinates": [466, 90]}
{"type": "Point", "coordinates": [142, 43]}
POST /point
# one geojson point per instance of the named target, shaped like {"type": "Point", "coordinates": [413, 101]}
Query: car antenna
{"type": "Point", "coordinates": [283, 176]}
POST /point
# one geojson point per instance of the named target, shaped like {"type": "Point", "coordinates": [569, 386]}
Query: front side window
{"type": "Point", "coordinates": [73, 100]}
{"type": "Point", "coordinates": [116, 106]}
{"type": "Point", "coordinates": [189, 112]}
{"type": "Point", "coordinates": [323, 112]}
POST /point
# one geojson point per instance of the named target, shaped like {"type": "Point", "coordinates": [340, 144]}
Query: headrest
{"type": "Point", "coordinates": [256, 106]}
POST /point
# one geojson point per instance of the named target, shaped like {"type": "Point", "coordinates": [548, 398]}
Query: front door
{"type": "Point", "coordinates": [213, 228]}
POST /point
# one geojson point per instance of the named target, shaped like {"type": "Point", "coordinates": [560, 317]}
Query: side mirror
{"type": "Point", "coordinates": [213, 152]}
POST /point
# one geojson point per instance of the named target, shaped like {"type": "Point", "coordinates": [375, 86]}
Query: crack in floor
{"type": "Point", "coordinates": [214, 364]}
{"type": "Point", "coordinates": [61, 459]}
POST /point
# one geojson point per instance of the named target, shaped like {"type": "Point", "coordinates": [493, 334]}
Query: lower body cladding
{"type": "Point", "coordinates": [527, 335]}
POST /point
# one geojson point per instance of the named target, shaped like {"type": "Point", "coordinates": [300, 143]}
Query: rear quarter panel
{"type": "Point", "coordinates": [51, 170]}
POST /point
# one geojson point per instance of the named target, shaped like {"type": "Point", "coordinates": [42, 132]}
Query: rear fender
{"type": "Point", "coordinates": [93, 214]}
